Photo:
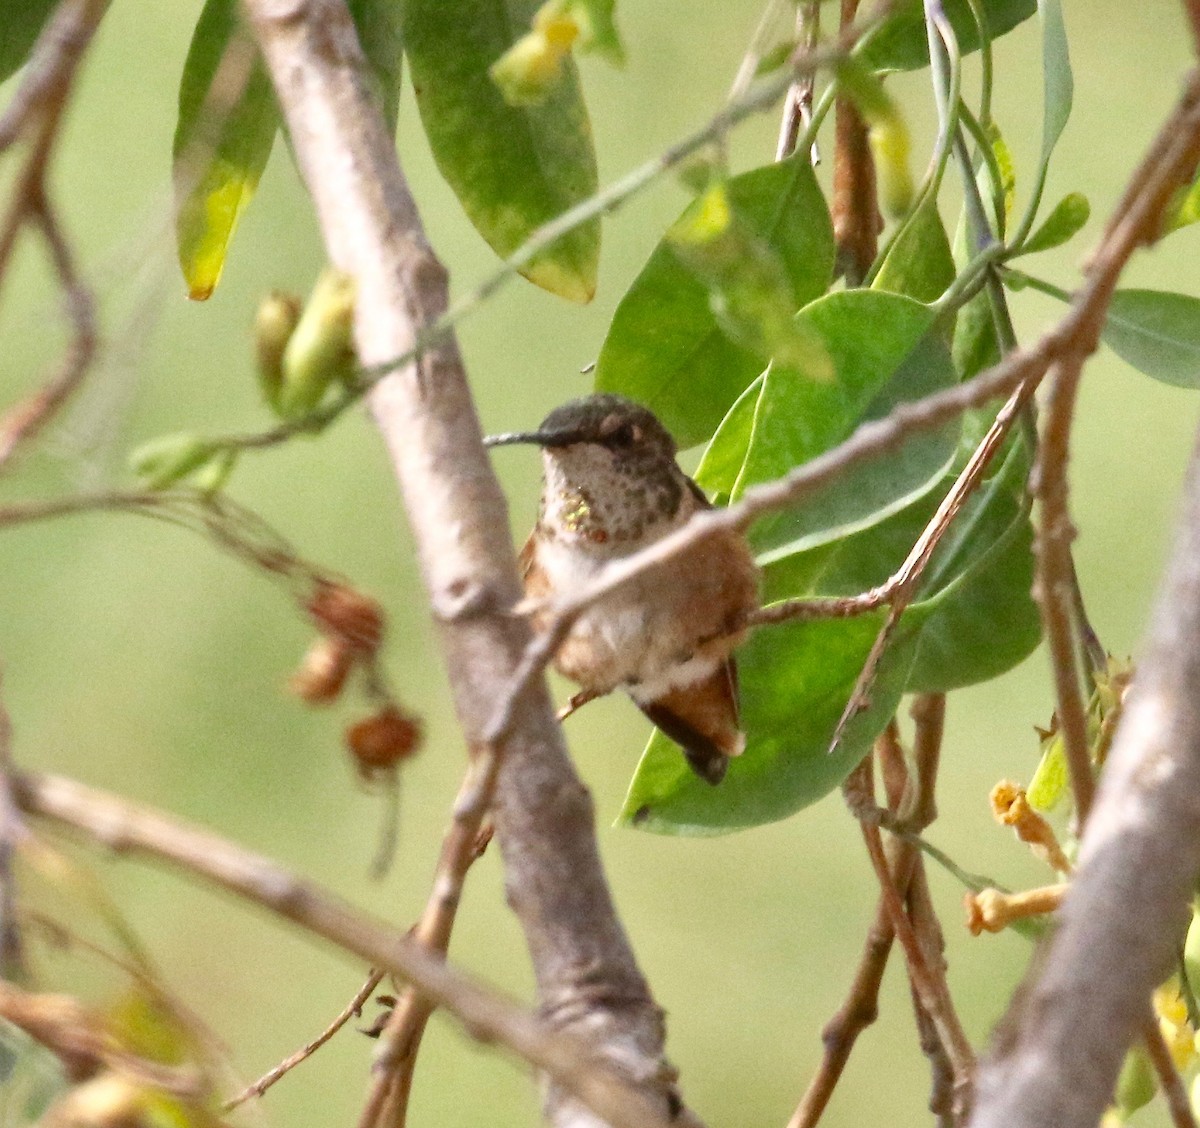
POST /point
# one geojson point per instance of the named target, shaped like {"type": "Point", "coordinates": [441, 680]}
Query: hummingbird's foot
{"type": "Point", "coordinates": [577, 701]}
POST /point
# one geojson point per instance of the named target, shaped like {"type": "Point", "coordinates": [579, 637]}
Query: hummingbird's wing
{"type": "Point", "coordinates": [702, 718]}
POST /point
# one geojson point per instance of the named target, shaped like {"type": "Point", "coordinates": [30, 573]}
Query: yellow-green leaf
{"type": "Point", "coordinates": [228, 118]}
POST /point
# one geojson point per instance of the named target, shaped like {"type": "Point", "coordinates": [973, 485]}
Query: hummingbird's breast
{"type": "Point", "coordinates": [666, 629]}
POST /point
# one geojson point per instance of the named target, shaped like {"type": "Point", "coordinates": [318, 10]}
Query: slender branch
{"type": "Point", "coordinates": [400, 1041]}
{"type": "Point", "coordinates": [352, 1010]}
{"type": "Point", "coordinates": [52, 65]}
{"type": "Point", "coordinates": [929, 987]}
{"type": "Point", "coordinates": [1174, 1091]}
{"type": "Point", "coordinates": [1054, 583]}
{"type": "Point", "coordinates": [37, 108]}
{"type": "Point", "coordinates": [128, 828]}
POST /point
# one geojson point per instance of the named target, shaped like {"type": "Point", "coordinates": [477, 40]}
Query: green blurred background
{"type": "Point", "coordinates": [140, 659]}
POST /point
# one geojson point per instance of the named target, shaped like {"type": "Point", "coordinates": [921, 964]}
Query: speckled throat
{"type": "Point", "coordinates": [616, 502]}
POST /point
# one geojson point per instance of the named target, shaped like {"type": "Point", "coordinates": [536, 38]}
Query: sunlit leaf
{"type": "Point", "coordinates": [903, 44]}
{"type": "Point", "coordinates": [883, 353]}
{"type": "Point", "coordinates": [1063, 223]}
{"type": "Point", "coordinates": [1184, 208]}
{"type": "Point", "coordinates": [726, 454]}
{"type": "Point", "coordinates": [228, 118]}
{"type": "Point", "coordinates": [1158, 333]}
{"type": "Point", "coordinates": [919, 264]}
{"type": "Point", "coordinates": [512, 168]}
{"type": "Point", "coordinates": [598, 28]}
{"type": "Point", "coordinates": [21, 21]}
{"type": "Point", "coordinates": [665, 348]}
{"type": "Point", "coordinates": [749, 291]}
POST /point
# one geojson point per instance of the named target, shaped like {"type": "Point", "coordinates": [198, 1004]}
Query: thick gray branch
{"type": "Point", "coordinates": [587, 977]}
{"type": "Point", "coordinates": [1125, 913]}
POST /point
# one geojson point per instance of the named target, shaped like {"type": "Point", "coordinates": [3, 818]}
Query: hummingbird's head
{"type": "Point", "coordinates": [610, 468]}
{"type": "Point", "coordinates": [609, 422]}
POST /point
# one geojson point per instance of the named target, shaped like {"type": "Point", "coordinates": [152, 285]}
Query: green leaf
{"type": "Point", "coordinates": [976, 346]}
{"type": "Point", "coordinates": [919, 264]}
{"type": "Point", "coordinates": [723, 458]}
{"type": "Point", "coordinates": [749, 291]}
{"type": "Point", "coordinates": [1158, 333]}
{"type": "Point", "coordinates": [379, 24]}
{"type": "Point", "coordinates": [512, 168]}
{"type": "Point", "coordinates": [665, 348]}
{"type": "Point", "coordinates": [1184, 208]}
{"type": "Point", "coordinates": [598, 29]}
{"type": "Point", "coordinates": [796, 680]}
{"type": "Point", "coordinates": [21, 22]}
{"type": "Point", "coordinates": [218, 160]}
{"type": "Point", "coordinates": [1058, 85]}
{"type": "Point", "coordinates": [884, 353]}
{"type": "Point", "coordinates": [902, 43]}
{"type": "Point", "coordinates": [1067, 218]}
{"type": "Point", "coordinates": [981, 618]}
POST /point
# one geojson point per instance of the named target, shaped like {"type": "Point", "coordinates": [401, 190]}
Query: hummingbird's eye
{"type": "Point", "coordinates": [618, 432]}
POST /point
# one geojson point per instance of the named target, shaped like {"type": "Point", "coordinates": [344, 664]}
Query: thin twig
{"type": "Point", "coordinates": [352, 1010]}
{"type": "Point", "coordinates": [929, 987]}
{"type": "Point", "coordinates": [11, 953]}
{"type": "Point", "coordinates": [855, 209]}
{"type": "Point", "coordinates": [948, 1100]}
{"type": "Point", "coordinates": [52, 64]}
{"type": "Point", "coordinates": [37, 108]}
{"type": "Point", "coordinates": [400, 1041]}
{"type": "Point", "coordinates": [128, 828]}
{"type": "Point", "coordinates": [797, 106]}
{"type": "Point", "coordinates": [1053, 586]}
{"type": "Point", "coordinates": [1174, 1091]}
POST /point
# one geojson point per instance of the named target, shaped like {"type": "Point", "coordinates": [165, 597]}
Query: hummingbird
{"type": "Point", "coordinates": [666, 637]}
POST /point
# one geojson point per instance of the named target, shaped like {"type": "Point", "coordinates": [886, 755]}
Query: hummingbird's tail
{"type": "Point", "coordinates": [702, 718]}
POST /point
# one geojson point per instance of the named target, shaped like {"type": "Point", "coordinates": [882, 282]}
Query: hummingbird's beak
{"type": "Point", "coordinates": [537, 438]}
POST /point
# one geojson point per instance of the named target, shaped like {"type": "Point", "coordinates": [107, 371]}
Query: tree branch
{"type": "Point", "coordinates": [588, 980]}
{"type": "Point", "coordinates": [1124, 915]}
{"type": "Point", "coordinates": [128, 828]}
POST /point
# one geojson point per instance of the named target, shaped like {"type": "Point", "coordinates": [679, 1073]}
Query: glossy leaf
{"type": "Point", "coordinates": [21, 21]}
{"type": "Point", "coordinates": [1184, 208]}
{"type": "Point", "coordinates": [919, 264]}
{"type": "Point", "coordinates": [796, 680]}
{"type": "Point", "coordinates": [976, 345]}
{"type": "Point", "coordinates": [1058, 88]}
{"type": "Point", "coordinates": [512, 168]}
{"type": "Point", "coordinates": [972, 619]}
{"type": "Point", "coordinates": [749, 291]}
{"type": "Point", "coordinates": [976, 594]}
{"type": "Point", "coordinates": [725, 455]}
{"type": "Point", "coordinates": [903, 44]}
{"type": "Point", "coordinates": [1062, 224]}
{"type": "Point", "coordinates": [665, 348]}
{"type": "Point", "coordinates": [1158, 333]}
{"type": "Point", "coordinates": [598, 28]}
{"type": "Point", "coordinates": [218, 160]}
{"type": "Point", "coordinates": [884, 352]}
